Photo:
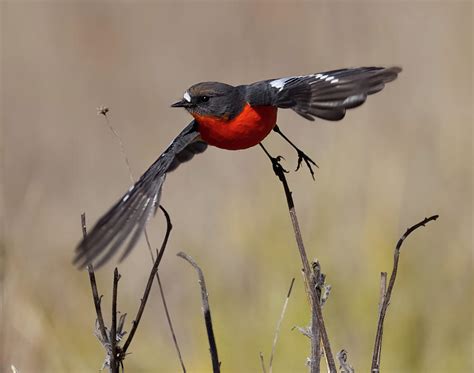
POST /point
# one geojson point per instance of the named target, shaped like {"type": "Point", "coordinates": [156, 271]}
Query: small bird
{"type": "Point", "coordinates": [231, 118]}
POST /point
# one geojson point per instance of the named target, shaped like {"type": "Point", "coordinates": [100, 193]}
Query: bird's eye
{"type": "Point", "coordinates": [204, 98]}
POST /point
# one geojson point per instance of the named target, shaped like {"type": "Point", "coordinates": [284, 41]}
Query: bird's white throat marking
{"type": "Point", "coordinates": [186, 96]}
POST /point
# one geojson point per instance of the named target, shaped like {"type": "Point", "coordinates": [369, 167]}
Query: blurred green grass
{"type": "Point", "coordinates": [405, 154]}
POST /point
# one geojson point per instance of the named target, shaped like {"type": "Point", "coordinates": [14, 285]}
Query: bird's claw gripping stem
{"type": "Point", "coordinates": [277, 167]}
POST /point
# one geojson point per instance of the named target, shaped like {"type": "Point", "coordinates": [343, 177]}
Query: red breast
{"type": "Point", "coordinates": [245, 130]}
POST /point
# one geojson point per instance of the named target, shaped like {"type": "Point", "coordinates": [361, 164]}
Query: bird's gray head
{"type": "Point", "coordinates": [211, 99]}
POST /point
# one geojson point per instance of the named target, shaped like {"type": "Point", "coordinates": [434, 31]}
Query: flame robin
{"type": "Point", "coordinates": [231, 118]}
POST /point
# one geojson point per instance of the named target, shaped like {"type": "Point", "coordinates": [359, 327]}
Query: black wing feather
{"type": "Point", "coordinates": [126, 220]}
{"type": "Point", "coordinates": [329, 94]}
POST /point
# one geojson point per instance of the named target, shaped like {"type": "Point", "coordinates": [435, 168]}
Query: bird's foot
{"type": "Point", "coordinates": [277, 167]}
{"type": "Point", "coordinates": [307, 160]}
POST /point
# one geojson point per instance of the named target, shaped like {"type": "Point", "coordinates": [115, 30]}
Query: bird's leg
{"type": "Point", "coordinates": [301, 155]}
{"type": "Point", "coordinates": [277, 167]}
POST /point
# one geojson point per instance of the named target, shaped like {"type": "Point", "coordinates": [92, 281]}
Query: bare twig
{"type": "Point", "coordinates": [386, 301]}
{"type": "Point", "coordinates": [165, 306]}
{"type": "Point", "coordinates": [207, 312]}
{"type": "Point", "coordinates": [383, 289]}
{"type": "Point", "coordinates": [262, 362]}
{"type": "Point", "coordinates": [277, 330]}
{"type": "Point", "coordinates": [114, 358]}
{"type": "Point", "coordinates": [115, 354]}
{"type": "Point", "coordinates": [383, 292]}
{"type": "Point", "coordinates": [317, 322]}
{"type": "Point", "coordinates": [154, 269]}
{"type": "Point", "coordinates": [104, 111]}
{"type": "Point", "coordinates": [306, 331]}
{"type": "Point", "coordinates": [343, 360]}
{"type": "Point", "coordinates": [324, 336]}
{"type": "Point", "coordinates": [318, 329]}
{"type": "Point", "coordinates": [315, 359]}
{"type": "Point", "coordinates": [95, 293]}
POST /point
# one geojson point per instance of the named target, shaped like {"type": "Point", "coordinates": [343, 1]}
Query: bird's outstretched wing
{"type": "Point", "coordinates": [126, 220]}
{"type": "Point", "coordinates": [326, 95]}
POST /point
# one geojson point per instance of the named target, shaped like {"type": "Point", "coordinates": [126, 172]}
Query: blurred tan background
{"type": "Point", "coordinates": [404, 155]}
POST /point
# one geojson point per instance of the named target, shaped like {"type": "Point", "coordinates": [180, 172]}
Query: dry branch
{"type": "Point", "coordinates": [114, 361]}
{"type": "Point", "coordinates": [153, 272]}
{"type": "Point", "coordinates": [277, 330]}
{"type": "Point", "coordinates": [386, 295]}
{"type": "Point", "coordinates": [114, 353]}
{"type": "Point", "coordinates": [318, 329]}
{"type": "Point", "coordinates": [104, 111]}
{"type": "Point", "coordinates": [216, 365]}
{"type": "Point", "coordinates": [104, 338]}
{"type": "Point", "coordinates": [262, 362]}
{"type": "Point", "coordinates": [170, 323]}
{"type": "Point", "coordinates": [95, 293]}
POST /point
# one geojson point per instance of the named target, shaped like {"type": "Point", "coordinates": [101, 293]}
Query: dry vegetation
{"type": "Point", "coordinates": [317, 293]}
{"type": "Point", "coordinates": [407, 152]}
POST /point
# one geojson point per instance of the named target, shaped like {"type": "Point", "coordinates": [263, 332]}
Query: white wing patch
{"type": "Point", "coordinates": [327, 78]}
{"type": "Point", "coordinates": [186, 96]}
{"type": "Point", "coordinates": [279, 83]}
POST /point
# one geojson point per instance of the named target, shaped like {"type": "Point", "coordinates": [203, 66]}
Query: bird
{"type": "Point", "coordinates": [231, 118]}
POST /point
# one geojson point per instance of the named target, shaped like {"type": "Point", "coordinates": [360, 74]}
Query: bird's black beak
{"type": "Point", "coordinates": [182, 103]}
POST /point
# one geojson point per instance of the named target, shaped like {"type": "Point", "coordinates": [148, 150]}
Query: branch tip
{"type": "Point", "coordinates": [386, 292]}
